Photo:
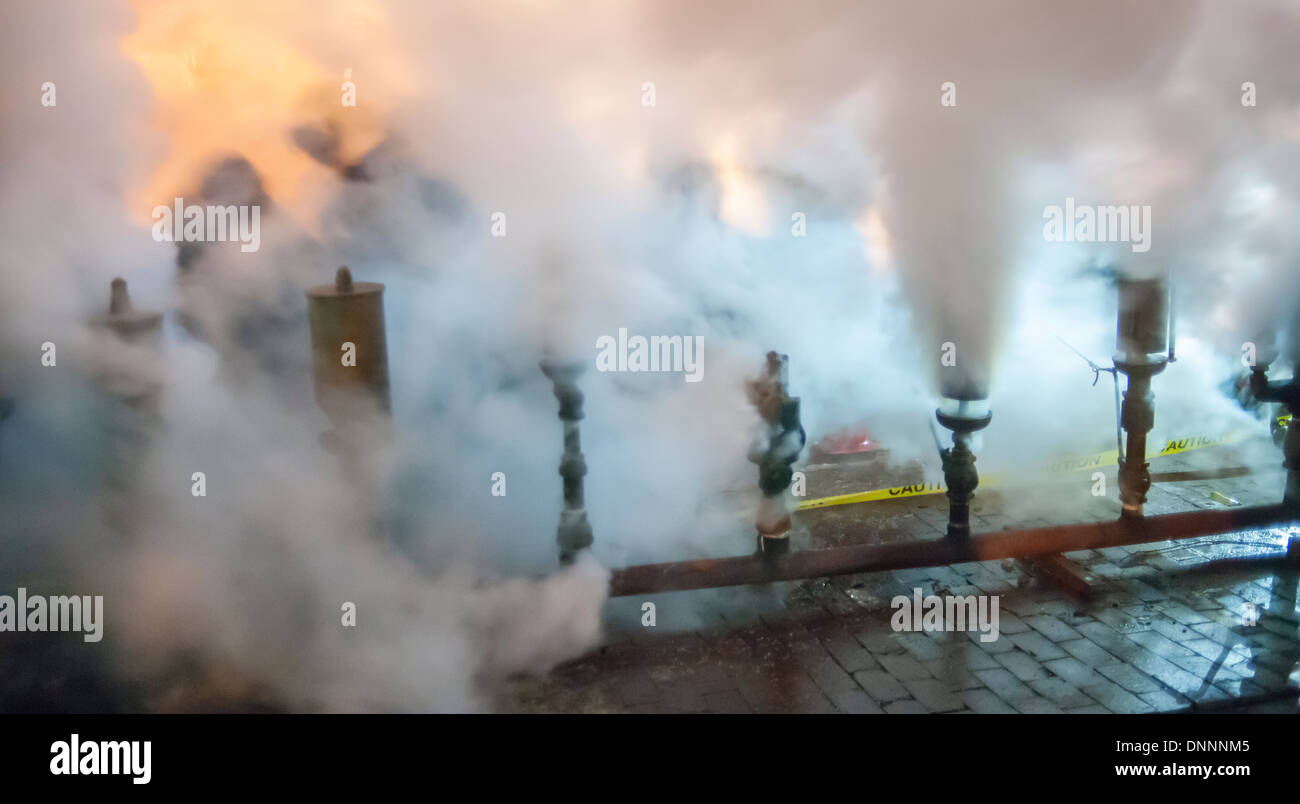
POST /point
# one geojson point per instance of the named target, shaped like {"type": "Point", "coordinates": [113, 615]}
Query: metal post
{"type": "Point", "coordinates": [1142, 351]}
{"type": "Point", "coordinates": [778, 447]}
{"type": "Point", "coordinates": [124, 320]}
{"type": "Point", "coordinates": [574, 533]}
{"type": "Point", "coordinates": [965, 413]}
{"type": "Point", "coordinates": [1288, 393]}
{"type": "Point", "coordinates": [961, 478]}
{"type": "Point", "coordinates": [1137, 416]}
{"type": "Point", "coordinates": [134, 411]}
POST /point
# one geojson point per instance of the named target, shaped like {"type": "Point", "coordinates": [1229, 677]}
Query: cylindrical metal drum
{"type": "Point", "coordinates": [349, 348]}
{"type": "Point", "coordinates": [1142, 333]}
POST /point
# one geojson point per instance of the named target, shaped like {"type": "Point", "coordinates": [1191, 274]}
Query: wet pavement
{"type": "Point", "coordinates": [1205, 624]}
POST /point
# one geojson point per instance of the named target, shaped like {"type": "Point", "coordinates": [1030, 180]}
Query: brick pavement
{"type": "Point", "coordinates": [1163, 630]}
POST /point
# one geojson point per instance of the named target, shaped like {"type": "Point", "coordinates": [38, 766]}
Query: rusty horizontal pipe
{"type": "Point", "coordinates": [739, 570]}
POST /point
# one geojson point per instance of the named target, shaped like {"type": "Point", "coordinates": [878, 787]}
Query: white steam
{"type": "Point", "coordinates": [671, 218]}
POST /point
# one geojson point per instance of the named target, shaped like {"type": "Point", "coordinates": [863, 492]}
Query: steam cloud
{"type": "Point", "coordinates": [923, 227]}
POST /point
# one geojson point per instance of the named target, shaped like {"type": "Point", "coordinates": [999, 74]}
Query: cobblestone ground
{"type": "Point", "coordinates": [1162, 631]}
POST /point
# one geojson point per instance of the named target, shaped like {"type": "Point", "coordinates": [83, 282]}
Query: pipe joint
{"type": "Point", "coordinates": [1138, 412]}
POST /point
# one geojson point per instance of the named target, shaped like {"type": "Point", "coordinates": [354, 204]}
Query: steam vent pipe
{"type": "Point", "coordinates": [125, 320]}
{"type": "Point", "coordinates": [964, 411]}
{"type": "Point", "coordinates": [1142, 346]}
{"type": "Point", "coordinates": [133, 412]}
{"type": "Point", "coordinates": [775, 450]}
{"type": "Point", "coordinates": [349, 348]}
{"type": "Point", "coordinates": [1288, 393]}
{"type": "Point", "coordinates": [574, 532]}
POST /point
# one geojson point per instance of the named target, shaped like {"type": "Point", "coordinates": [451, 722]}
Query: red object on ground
{"type": "Point", "coordinates": [847, 442]}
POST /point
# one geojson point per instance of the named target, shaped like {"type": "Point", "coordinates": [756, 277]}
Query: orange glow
{"type": "Point", "coordinates": [743, 201]}
{"type": "Point", "coordinates": [875, 241]}
{"type": "Point", "coordinates": [235, 76]}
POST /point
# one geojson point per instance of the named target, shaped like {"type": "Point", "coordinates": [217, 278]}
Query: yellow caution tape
{"type": "Point", "coordinates": [1084, 462]}
{"type": "Point", "coordinates": [1068, 464]}
{"type": "Point", "coordinates": [1175, 446]}
{"type": "Point", "coordinates": [897, 492]}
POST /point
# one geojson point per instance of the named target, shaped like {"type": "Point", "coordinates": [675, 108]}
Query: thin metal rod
{"type": "Point", "coordinates": [739, 570]}
{"type": "Point", "coordinates": [1114, 375]}
{"type": "Point", "coordinates": [1119, 432]}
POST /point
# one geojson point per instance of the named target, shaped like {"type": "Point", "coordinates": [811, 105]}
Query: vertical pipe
{"type": "Point", "coordinates": [124, 320]}
{"type": "Point", "coordinates": [134, 408]}
{"type": "Point", "coordinates": [1291, 460]}
{"type": "Point", "coordinates": [574, 532]}
{"type": "Point", "coordinates": [1173, 327]}
{"type": "Point", "coordinates": [775, 451]}
{"type": "Point", "coordinates": [964, 414]}
{"type": "Point", "coordinates": [1141, 341]}
{"type": "Point", "coordinates": [1137, 417]}
{"type": "Point", "coordinates": [962, 479]}
{"type": "Point", "coordinates": [1288, 393]}
{"type": "Point", "coordinates": [349, 349]}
